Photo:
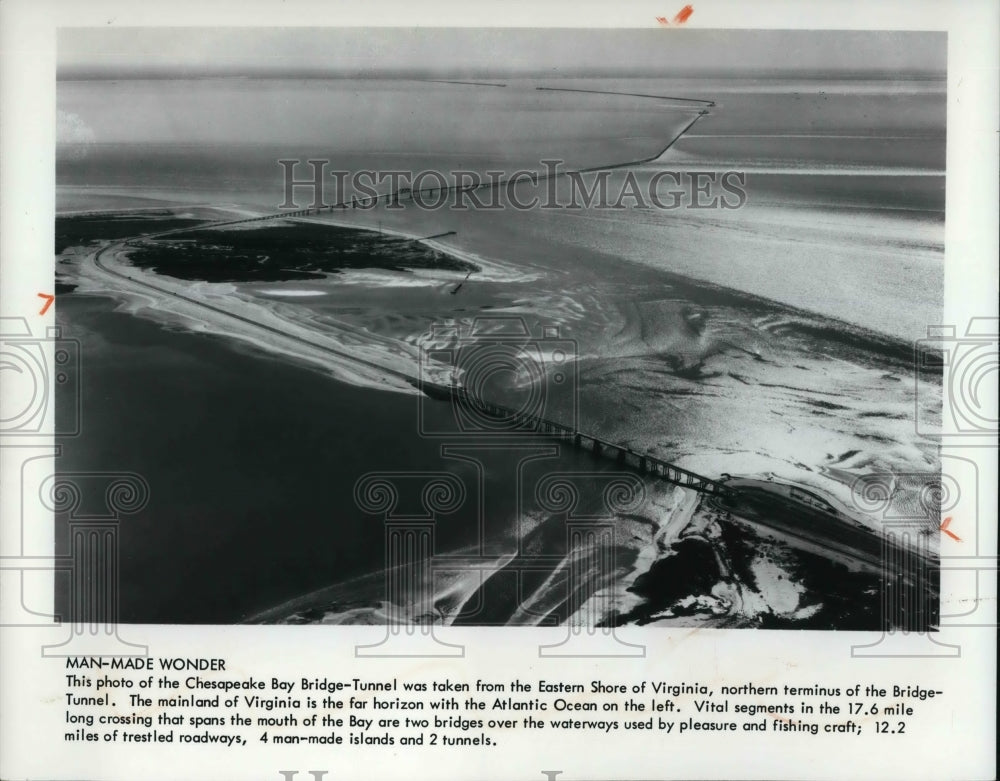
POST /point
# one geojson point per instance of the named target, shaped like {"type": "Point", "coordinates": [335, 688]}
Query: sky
{"type": "Point", "coordinates": [88, 53]}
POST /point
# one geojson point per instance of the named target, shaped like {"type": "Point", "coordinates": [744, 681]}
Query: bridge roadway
{"type": "Point", "coordinates": [642, 463]}
{"type": "Point", "coordinates": [764, 505]}
{"type": "Point", "coordinates": [409, 194]}
{"type": "Point", "coordinates": [521, 422]}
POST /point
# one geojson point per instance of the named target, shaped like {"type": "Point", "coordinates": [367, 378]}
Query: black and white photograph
{"type": "Point", "coordinates": [502, 327]}
{"type": "Point", "coordinates": [443, 390]}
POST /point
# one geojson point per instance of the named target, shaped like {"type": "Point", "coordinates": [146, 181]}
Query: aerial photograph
{"type": "Point", "coordinates": [506, 327]}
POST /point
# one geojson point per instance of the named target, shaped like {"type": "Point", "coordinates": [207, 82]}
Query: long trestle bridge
{"type": "Point", "coordinates": [518, 422]}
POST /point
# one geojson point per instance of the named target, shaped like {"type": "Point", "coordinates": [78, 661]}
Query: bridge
{"type": "Point", "coordinates": [406, 193]}
{"type": "Point", "coordinates": [519, 422]}
{"type": "Point", "coordinates": [762, 504]}
{"type": "Point", "coordinates": [639, 462]}
{"type": "Point", "coordinates": [456, 394]}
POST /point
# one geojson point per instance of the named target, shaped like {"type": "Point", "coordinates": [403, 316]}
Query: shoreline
{"type": "Point", "coordinates": [882, 342]}
{"type": "Point", "coordinates": [158, 305]}
{"type": "Point", "coordinates": [839, 340]}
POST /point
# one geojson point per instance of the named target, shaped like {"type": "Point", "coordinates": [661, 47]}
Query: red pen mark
{"type": "Point", "coordinates": [48, 302]}
{"type": "Point", "coordinates": [944, 528]}
{"type": "Point", "coordinates": [682, 16]}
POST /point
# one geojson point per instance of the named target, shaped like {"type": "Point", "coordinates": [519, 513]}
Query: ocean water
{"type": "Point", "coordinates": [252, 467]}
{"type": "Point", "coordinates": [775, 339]}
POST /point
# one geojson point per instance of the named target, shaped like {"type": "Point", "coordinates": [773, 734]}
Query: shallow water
{"type": "Point", "coordinates": [789, 356]}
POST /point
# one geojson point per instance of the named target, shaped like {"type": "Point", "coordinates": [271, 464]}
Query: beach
{"type": "Point", "coordinates": [679, 324]}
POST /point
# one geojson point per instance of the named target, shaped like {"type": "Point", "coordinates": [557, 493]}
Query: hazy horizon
{"type": "Point", "coordinates": [477, 53]}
